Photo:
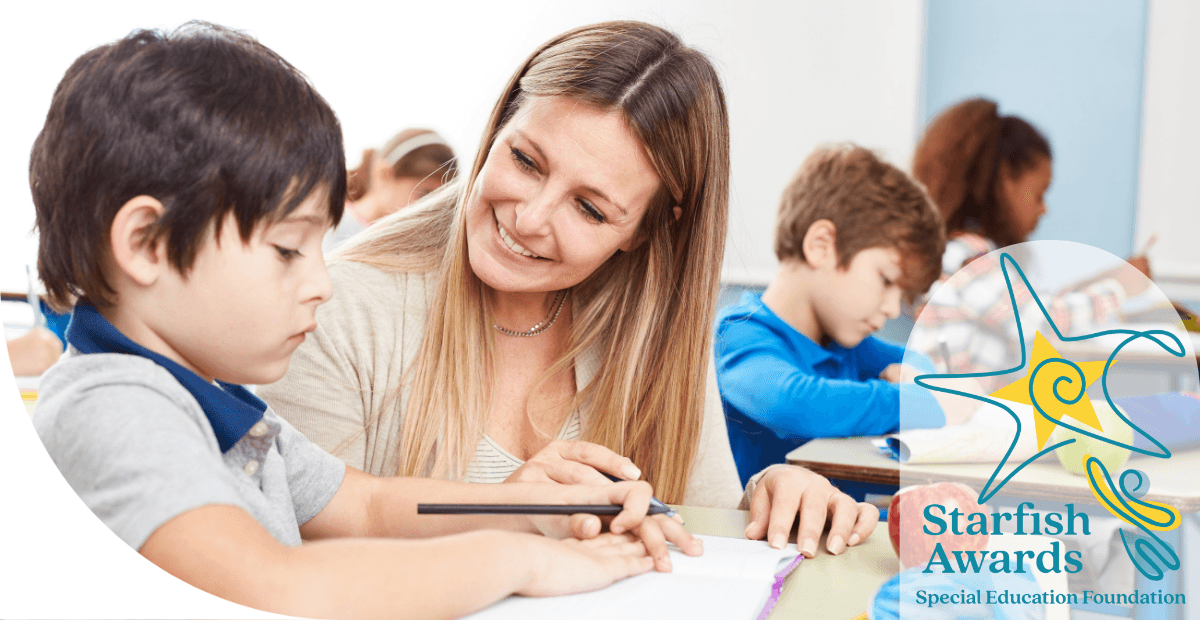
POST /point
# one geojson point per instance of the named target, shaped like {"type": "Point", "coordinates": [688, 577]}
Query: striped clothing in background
{"type": "Point", "coordinates": [973, 316]}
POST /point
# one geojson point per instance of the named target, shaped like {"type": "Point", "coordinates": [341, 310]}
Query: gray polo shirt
{"type": "Point", "coordinates": [138, 449]}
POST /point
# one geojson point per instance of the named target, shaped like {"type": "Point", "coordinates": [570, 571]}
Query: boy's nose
{"type": "Point", "coordinates": [891, 304]}
{"type": "Point", "coordinates": [319, 285]}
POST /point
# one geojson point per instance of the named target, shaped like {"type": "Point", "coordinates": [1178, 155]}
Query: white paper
{"type": "Point", "coordinates": [730, 581]}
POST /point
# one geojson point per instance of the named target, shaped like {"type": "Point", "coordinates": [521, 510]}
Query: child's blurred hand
{"type": "Point", "coordinates": [33, 352]}
{"type": "Point", "coordinates": [571, 566]}
{"type": "Point", "coordinates": [899, 373]}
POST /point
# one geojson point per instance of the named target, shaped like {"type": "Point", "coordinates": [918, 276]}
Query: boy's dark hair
{"type": "Point", "coordinates": [205, 119]}
{"type": "Point", "coordinates": [871, 203]}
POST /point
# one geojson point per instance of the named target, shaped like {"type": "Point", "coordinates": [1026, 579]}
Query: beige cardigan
{"type": "Point", "coordinates": [336, 390]}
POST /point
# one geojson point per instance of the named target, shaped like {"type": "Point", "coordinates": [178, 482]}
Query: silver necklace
{"type": "Point", "coordinates": [560, 298]}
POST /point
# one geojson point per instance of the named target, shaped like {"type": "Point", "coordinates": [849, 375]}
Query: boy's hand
{"type": "Point", "coordinates": [654, 531]}
{"type": "Point", "coordinates": [574, 462]}
{"type": "Point", "coordinates": [786, 490]}
{"type": "Point", "coordinates": [570, 566]}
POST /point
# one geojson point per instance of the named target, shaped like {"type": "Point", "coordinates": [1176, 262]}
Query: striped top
{"type": "Point", "coordinates": [492, 463]}
{"type": "Point", "coordinates": [340, 389]}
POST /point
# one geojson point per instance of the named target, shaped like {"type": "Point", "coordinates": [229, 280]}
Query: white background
{"type": "Point", "coordinates": [795, 76]}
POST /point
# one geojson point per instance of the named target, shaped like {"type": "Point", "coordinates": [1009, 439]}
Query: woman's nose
{"type": "Point", "coordinates": [533, 216]}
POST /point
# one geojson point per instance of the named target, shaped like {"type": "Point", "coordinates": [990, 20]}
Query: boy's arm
{"type": "Point", "coordinates": [771, 388]}
{"type": "Point", "coordinates": [224, 551]}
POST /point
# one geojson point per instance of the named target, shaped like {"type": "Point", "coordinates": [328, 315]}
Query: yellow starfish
{"type": "Point", "coordinates": [1043, 391]}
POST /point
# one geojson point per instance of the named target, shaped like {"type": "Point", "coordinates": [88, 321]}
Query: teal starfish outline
{"type": "Point", "coordinates": [1141, 544]}
{"type": "Point", "coordinates": [1133, 335]}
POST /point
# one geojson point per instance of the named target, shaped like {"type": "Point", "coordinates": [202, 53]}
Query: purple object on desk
{"type": "Point", "coordinates": [777, 587]}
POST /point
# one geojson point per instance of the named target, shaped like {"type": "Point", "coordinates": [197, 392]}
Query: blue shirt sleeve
{"type": "Point", "coordinates": [764, 381]}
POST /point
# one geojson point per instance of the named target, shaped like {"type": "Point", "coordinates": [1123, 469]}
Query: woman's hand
{"type": "Point", "coordinates": [570, 566]}
{"type": "Point", "coordinates": [575, 462]}
{"type": "Point", "coordinates": [786, 490]}
{"type": "Point", "coordinates": [654, 531]}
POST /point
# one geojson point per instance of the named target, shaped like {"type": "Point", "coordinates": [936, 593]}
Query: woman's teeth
{"type": "Point", "coordinates": [513, 245]}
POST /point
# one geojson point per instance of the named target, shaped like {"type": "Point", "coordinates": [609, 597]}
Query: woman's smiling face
{"type": "Point", "coordinates": [564, 186]}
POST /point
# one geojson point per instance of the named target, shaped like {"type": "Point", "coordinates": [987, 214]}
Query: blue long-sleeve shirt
{"type": "Point", "coordinates": [781, 389]}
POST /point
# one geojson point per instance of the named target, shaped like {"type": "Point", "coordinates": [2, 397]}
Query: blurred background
{"type": "Point", "coordinates": [1112, 83]}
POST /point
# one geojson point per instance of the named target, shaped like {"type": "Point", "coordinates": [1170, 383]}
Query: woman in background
{"type": "Point", "coordinates": [405, 169]}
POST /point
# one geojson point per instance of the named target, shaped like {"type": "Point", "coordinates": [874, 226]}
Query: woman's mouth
{"type": "Point", "coordinates": [512, 244]}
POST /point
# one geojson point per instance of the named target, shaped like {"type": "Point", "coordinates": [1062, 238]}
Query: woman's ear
{"type": "Point", "coordinates": [134, 254]}
{"type": "Point", "coordinates": [820, 244]}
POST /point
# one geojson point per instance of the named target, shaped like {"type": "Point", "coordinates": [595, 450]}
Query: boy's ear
{"type": "Point", "coordinates": [820, 244]}
{"type": "Point", "coordinates": [133, 253]}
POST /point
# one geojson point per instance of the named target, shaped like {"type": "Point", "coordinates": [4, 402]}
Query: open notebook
{"type": "Point", "coordinates": [734, 579]}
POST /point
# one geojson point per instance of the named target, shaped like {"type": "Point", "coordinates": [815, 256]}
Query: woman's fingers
{"type": "Point", "coordinates": [760, 510]}
{"type": "Point", "coordinates": [843, 514]}
{"type": "Point", "coordinates": [599, 458]}
{"type": "Point", "coordinates": [571, 472]}
{"type": "Point", "coordinates": [868, 518]}
{"type": "Point", "coordinates": [785, 500]}
{"type": "Point", "coordinates": [583, 526]}
{"type": "Point", "coordinates": [812, 515]}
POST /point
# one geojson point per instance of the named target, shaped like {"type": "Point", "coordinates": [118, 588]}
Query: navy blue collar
{"type": "Point", "coordinates": [231, 409]}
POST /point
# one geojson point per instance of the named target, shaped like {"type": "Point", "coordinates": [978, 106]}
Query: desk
{"type": "Point", "coordinates": [826, 586]}
{"type": "Point", "coordinates": [1172, 481]}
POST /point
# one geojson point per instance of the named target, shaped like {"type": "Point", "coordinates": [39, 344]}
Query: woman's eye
{"type": "Point", "coordinates": [523, 160]}
{"type": "Point", "coordinates": [886, 281]}
{"type": "Point", "coordinates": [590, 211]}
{"type": "Point", "coordinates": [288, 254]}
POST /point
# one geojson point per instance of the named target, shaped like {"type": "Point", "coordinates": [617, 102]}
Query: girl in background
{"type": "Point", "coordinates": [988, 174]}
{"type": "Point", "coordinates": [405, 169]}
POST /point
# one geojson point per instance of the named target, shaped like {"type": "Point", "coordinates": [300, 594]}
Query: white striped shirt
{"type": "Point", "coordinates": [493, 463]}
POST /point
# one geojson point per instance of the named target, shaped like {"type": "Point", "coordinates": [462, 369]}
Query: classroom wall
{"type": "Point", "coordinates": [1168, 194]}
{"type": "Point", "coordinates": [795, 75]}
{"type": "Point", "coordinates": [1074, 68]}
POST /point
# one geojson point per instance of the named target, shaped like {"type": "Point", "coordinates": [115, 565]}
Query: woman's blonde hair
{"type": "Point", "coordinates": [648, 312]}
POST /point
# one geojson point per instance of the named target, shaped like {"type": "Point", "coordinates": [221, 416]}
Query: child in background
{"type": "Point", "coordinates": [853, 236]}
{"type": "Point", "coordinates": [405, 169]}
{"type": "Point", "coordinates": [183, 183]}
{"type": "Point", "coordinates": [988, 175]}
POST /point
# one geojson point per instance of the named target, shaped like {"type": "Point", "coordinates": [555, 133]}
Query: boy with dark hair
{"type": "Point", "coordinates": [183, 183]}
{"type": "Point", "coordinates": [854, 235]}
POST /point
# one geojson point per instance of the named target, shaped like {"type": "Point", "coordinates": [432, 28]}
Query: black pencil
{"type": "Point", "coordinates": [529, 509]}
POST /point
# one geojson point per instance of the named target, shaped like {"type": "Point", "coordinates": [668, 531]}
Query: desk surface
{"type": "Point", "coordinates": [826, 586]}
{"type": "Point", "coordinates": [1172, 481]}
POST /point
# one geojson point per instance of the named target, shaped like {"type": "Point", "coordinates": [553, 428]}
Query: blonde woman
{"type": "Point", "coordinates": [552, 310]}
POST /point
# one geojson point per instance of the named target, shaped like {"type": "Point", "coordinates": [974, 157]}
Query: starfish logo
{"type": "Point", "coordinates": [1057, 390]}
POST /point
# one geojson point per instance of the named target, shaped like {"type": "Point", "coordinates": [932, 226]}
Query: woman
{"type": "Point", "coordinates": [408, 167]}
{"type": "Point", "coordinates": [553, 309]}
{"type": "Point", "coordinates": [988, 174]}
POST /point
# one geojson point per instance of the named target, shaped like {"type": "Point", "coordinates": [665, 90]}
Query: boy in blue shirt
{"type": "Point", "coordinates": [183, 183]}
{"type": "Point", "coordinates": [854, 235]}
